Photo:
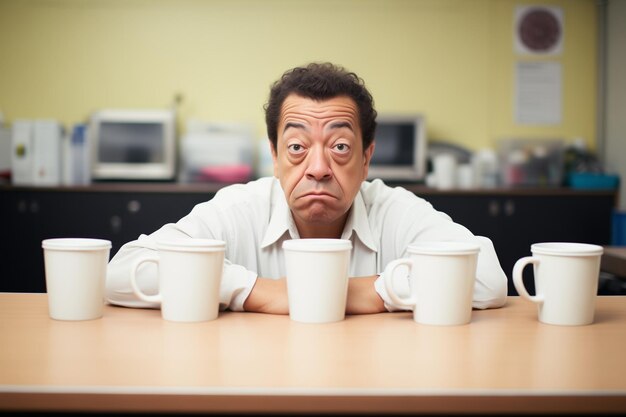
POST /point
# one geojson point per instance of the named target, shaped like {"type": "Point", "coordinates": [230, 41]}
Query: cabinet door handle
{"type": "Point", "coordinates": [22, 206]}
{"type": "Point", "coordinates": [134, 206]}
{"type": "Point", "coordinates": [509, 208]}
{"type": "Point", "coordinates": [493, 208]}
{"type": "Point", "coordinates": [116, 224]}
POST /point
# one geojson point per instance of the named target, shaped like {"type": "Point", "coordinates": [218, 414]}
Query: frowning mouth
{"type": "Point", "coordinates": [317, 195]}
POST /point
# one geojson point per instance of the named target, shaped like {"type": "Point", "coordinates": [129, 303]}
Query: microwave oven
{"type": "Point", "coordinates": [133, 144]}
{"type": "Point", "coordinates": [400, 152]}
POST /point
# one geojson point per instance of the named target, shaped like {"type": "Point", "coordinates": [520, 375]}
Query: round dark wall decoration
{"type": "Point", "coordinates": [539, 30]}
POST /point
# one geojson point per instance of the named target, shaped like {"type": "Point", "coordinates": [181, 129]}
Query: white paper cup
{"type": "Point", "coordinates": [317, 279]}
{"type": "Point", "coordinates": [441, 278]}
{"type": "Point", "coordinates": [190, 276]}
{"type": "Point", "coordinates": [75, 270]}
{"type": "Point", "coordinates": [566, 281]}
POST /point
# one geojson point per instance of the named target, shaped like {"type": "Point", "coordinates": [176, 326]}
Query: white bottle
{"type": "Point", "coordinates": [76, 161]}
{"type": "Point", "coordinates": [486, 168]}
{"type": "Point", "coordinates": [445, 165]}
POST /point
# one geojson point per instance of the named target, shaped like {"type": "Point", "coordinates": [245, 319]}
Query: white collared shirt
{"type": "Point", "coordinates": [254, 220]}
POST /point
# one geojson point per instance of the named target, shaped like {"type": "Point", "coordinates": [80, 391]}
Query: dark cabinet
{"type": "Point", "coordinates": [31, 215]}
{"type": "Point", "coordinates": [515, 220]}
{"type": "Point", "coordinates": [512, 219]}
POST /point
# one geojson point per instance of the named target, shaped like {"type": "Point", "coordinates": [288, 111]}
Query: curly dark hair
{"type": "Point", "coordinates": [321, 81]}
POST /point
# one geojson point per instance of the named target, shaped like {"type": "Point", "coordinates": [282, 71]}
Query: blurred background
{"type": "Point", "coordinates": [532, 93]}
{"type": "Point", "coordinates": [452, 60]}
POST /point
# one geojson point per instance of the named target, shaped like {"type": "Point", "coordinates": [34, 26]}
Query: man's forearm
{"type": "Point", "coordinates": [270, 296]}
{"type": "Point", "coordinates": [362, 296]}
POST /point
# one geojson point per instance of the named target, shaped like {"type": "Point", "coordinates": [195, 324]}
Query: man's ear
{"type": "Point", "coordinates": [274, 157]}
{"type": "Point", "coordinates": [369, 152]}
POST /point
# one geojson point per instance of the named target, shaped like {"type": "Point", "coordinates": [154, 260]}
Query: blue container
{"type": "Point", "coordinates": [590, 180]}
{"type": "Point", "coordinates": [618, 232]}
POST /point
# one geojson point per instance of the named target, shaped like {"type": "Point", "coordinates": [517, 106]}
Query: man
{"type": "Point", "coordinates": [321, 124]}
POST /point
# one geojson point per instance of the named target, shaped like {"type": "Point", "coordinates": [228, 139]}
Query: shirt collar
{"type": "Point", "coordinates": [359, 223]}
{"type": "Point", "coordinates": [281, 221]}
{"type": "Point", "coordinates": [280, 218]}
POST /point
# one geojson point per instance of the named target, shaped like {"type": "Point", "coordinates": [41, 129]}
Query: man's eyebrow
{"type": "Point", "coordinates": [340, 124]}
{"type": "Point", "coordinates": [294, 125]}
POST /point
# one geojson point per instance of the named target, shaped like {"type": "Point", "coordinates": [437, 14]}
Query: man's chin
{"type": "Point", "coordinates": [319, 214]}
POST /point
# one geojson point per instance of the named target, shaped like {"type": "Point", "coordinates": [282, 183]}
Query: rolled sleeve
{"type": "Point", "coordinates": [402, 290]}
{"type": "Point", "coordinates": [237, 283]}
{"type": "Point", "coordinates": [490, 287]}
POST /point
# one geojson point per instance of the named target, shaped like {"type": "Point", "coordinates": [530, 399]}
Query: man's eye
{"type": "Point", "coordinates": [342, 147]}
{"type": "Point", "coordinates": [295, 148]}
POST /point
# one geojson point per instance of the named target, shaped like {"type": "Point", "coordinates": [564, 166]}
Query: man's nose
{"type": "Point", "coordinates": [318, 167]}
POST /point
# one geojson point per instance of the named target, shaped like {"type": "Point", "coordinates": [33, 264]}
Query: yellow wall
{"type": "Point", "coordinates": [450, 59]}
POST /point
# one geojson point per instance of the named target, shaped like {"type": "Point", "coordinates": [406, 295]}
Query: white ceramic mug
{"type": "Point", "coordinates": [566, 281]}
{"type": "Point", "coordinates": [317, 279]}
{"type": "Point", "coordinates": [441, 281]}
{"type": "Point", "coordinates": [75, 270]}
{"type": "Point", "coordinates": [190, 273]}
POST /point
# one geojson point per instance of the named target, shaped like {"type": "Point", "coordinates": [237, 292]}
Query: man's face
{"type": "Point", "coordinates": [320, 161]}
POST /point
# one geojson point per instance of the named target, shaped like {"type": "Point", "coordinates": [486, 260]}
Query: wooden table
{"type": "Point", "coordinates": [133, 360]}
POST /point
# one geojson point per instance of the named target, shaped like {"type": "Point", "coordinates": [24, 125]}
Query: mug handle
{"type": "Point", "coordinates": [518, 269]}
{"type": "Point", "coordinates": [389, 271]}
{"type": "Point", "coordinates": [133, 280]}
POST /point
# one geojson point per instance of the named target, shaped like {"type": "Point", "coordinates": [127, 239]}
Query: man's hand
{"type": "Point", "coordinates": [362, 296]}
{"type": "Point", "coordinates": [268, 296]}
